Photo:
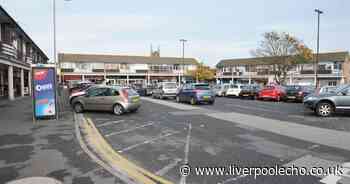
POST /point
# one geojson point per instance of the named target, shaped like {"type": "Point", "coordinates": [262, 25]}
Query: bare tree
{"type": "Point", "coordinates": [283, 52]}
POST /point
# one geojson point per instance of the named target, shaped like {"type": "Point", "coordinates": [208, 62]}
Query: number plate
{"type": "Point", "coordinates": [291, 97]}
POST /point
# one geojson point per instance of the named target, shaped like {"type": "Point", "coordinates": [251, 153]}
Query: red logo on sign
{"type": "Point", "coordinates": [40, 74]}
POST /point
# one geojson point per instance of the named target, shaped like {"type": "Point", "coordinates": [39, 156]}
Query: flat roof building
{"type": "Point", "coordinates": [17, 52]}
{"type": "Point", "coordinates": [333, 69]}
{"type": "Point", "coordinates": [124, 69]}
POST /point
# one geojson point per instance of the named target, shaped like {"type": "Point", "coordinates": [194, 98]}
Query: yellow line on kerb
{"type": "Point", "coordinates": [107, 153]}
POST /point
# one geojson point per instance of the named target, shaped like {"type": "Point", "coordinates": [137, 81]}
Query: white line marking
{"type": "Point", "coordinates": [322, 136]}
{"type": "Point", "coordinates": [147, 142]}
{"type": "Point", "coordinates": [187, 150]}
{"type": "Point", "coordinates": [110, 123]}
{"type": "Point", "coordinates": [171, 104]}
{"type": "Point", "coordinates": [131, 129]}
{"type": "Point", "coordinates": [233, 179]}
{"type": "Point", "coordinates": [167, 168]}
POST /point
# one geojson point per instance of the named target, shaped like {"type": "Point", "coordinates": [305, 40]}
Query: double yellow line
{"type": "Point", "coordinates": [114, 159]}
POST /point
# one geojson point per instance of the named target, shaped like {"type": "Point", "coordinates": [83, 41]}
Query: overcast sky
{"type": "Point", "coordinates": [215, 29]}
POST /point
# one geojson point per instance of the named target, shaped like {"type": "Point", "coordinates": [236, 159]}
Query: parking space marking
{"type": "Point", "coordinates": [169, 167]}
{"type": "Point", "coordinates": [187, 150]}
{"type": "Point", "coordinates": [147, 141]}
{"type": "Point", "coordinates": [171, 104]}
{"type": "Point", "coordinates": [130, 130]}
{"type": "Point", "coordinates": [110, 123]}
{"type": "Point", "coordinates": [328, 137]}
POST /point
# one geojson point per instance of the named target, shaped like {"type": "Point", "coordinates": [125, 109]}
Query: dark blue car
{"type": "Point", "coordinates": [195, 93]}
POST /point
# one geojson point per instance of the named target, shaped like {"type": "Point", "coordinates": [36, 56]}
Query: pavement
{"type": "Point", "coordinates": [46, 150]}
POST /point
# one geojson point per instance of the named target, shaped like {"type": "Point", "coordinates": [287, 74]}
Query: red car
{"type": "Point", "coordinates": [272, 93]}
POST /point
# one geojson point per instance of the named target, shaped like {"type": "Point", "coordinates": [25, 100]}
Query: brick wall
{"type": "Point", "coordinates": [346, 69]}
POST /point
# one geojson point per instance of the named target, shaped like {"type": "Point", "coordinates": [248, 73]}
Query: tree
{"type": "Point", "coordinates": [283, 51]}
{"type": "Point", "coordinates": [202, 73]}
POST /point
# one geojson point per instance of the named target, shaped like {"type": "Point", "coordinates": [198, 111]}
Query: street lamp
{"type": "Point", "coordinates": [319, 12]}
{"type": "Point", "coordinates": [183, 58]}
{"type": "Point", "coordinates": [55, 40]}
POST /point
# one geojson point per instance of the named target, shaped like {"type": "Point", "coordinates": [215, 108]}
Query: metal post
{"type": "Point", "coordinates": [319, 12]}
{"type": "Point", "coordinates": [183, 58]}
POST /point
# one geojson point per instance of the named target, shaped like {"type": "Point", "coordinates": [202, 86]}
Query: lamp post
{"type": "Point", "coordinates": [57, 65]}
{"type": "Point", "coordinates": [319, 12]}
{"type": "Point", "coordinates": [183, 41]}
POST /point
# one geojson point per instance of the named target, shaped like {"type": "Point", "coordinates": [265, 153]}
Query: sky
{"type": "Point", "coordinates": [215, 29]}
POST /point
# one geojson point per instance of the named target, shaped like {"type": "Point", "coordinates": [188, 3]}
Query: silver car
{"type": "Point", "coordinates": [165, 90]}
{"type": "Point", "coordinates": [108, 98]}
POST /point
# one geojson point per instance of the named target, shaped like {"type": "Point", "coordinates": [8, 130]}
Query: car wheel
{"type": "Point", "coordinates": [161, 96]}
{"type": "Point", "coordinates": [324, 109]}
{"type": "Point", "coordinates": [78, 107]}
{"type": "Point", "coordinates": [193, 101]}
{"type": "Point", "coordinates": [118, 109]}
{"type": "Point", "coordinates": [153, 96]}
{"type": "Point", "coordinates": [177, 99]}
{"type": "Point", "coordinates": [211, 103]}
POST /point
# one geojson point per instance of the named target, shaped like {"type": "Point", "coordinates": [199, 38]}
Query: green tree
{"type": "Point", "coordinates": [283, 51]}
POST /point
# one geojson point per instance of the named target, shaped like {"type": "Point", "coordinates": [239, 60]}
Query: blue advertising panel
{"type": "Point", "coordinates": [44, 92]}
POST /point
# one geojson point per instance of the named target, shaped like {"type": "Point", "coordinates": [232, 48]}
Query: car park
{"type": "Point", "coordinates": [249, 91]}
{"type": "Point", "coordinates": [297, 93]}
{"type": "Point", "coordinates": [272, 92]}
{"type": "Point", "coordinates": [234, 90]}
{"type": "Point", "coordinates": [220, 90]}
{"type": "Point", "coordinates": [108, 98]}
{"type": "Point", "coordinates": [165, 90]}
{"type": "Point", "coordinates": [195, 93]}
{"type": "Point", "coordinates": [327, 104]}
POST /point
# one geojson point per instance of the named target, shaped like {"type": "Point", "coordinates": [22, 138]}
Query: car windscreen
{"type": "Point", "coordinates": [341, 89]}
{"type": "Point", "coordinates": [202, 86]}
{"type": "Point", "coordinates": [247, 87]}
{"type": "Point", "coordinates": [169, 85]}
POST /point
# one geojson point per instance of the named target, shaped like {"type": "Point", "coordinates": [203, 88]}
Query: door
{"type": "Point", "coordinates": [343, 99]}
{"type": "Point", "coordinates": [111, 96]}
{"type": "Point", "coordinates": [187, 92]}
{"type": "Point", "coordinates": [95, 99]}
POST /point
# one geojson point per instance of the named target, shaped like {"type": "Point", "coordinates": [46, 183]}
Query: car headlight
{"type": "Point", "coordinates": [310, 98]}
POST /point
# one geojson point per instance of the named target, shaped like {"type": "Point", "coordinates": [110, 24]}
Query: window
{"type": "Point", "coordinates": [112, 92]}
{"type": "Point", "coordinates": [97, 91]}
{"type": "Point", "coordinates": [332, 83]}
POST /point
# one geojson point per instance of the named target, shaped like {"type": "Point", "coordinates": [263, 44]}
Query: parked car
{"type": "Point", "coordinates": [234, 90]}
{"type": "Point", "coordinates": [297, 93]}
{"type": "Point", "coordinates": [250, 91]}
{"type": "Point", "coordinates": [220, 90]}
{"type": "Point", "coordinates": [195, 93]}
{"type": "Point", "coordinates": [80, 86]}
{"type": "Point", "coordinates": [326, 89]}
{"type": "Point", "coordinates": [272, 92]}
{"type": "Point", "coordinates": [149, 89]}
{"type": "Point", "coordinates": [165, 90]}
{"type": "Point", "coordinates": [108, 98]}
{"type": "Point", "coordinates": [78, 93]}
{"type": "Point", "coordinates": [327, 104]}
{"type": "Point", "coordinates": [139, 89]}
